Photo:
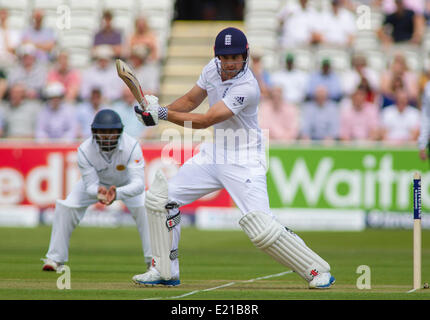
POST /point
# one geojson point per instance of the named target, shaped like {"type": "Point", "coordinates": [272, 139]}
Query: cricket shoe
{"type": "Point", "coordinates": [322, 281]}
{"type": "Point", "coordinates": [51, 265]}
{"type": "Point", "coordinates": [152, 278]}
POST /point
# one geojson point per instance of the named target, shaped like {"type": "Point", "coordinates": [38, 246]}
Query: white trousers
{"type": "Point", "coordinates": [69, 212]}
{"type": "Point", "coordinates": [246, 185]}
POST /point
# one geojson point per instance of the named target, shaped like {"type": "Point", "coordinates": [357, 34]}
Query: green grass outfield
{"type": "Point", "coordinates": [103, 261]}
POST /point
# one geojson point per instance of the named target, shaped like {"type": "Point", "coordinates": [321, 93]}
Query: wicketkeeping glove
{"type": "Point", "coordinates": [153, 112]}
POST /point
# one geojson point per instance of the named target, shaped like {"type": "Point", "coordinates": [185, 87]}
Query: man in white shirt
{"type": "Point", "coordinates": [112, 168]}
{"type": "Point", "coordinates": [292, 81]}
{"type": "Point", "coordinates": [102, 75]}
{"type": "Point", "coordinates": [9, 40]}
{"type": "Point", "coordinates": [424, 137]}
{"type": "Point", "coordinates": [299, 23]}
{"type": "Point", "coordinates": [400, 121]}
{"type": "Point", "coordinates": [234, 161]}
{"type": "Point", "coordinates": [337, 26]}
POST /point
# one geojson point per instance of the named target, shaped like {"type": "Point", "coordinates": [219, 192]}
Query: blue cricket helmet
{"type": "Point", "coordinates": [230, 41]}
{"type": "Point", "coordinates": [107, 119]}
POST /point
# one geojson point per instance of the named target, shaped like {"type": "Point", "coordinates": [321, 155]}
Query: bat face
{"type": "Point", "coordinates": [127, 75]}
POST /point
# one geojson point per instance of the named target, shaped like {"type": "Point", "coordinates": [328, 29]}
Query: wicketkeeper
{"type": "Point", "coordinates": [112, 168]}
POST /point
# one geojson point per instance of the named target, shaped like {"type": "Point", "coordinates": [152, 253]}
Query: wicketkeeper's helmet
{"type": "Point", "coordinates": [104, 123]}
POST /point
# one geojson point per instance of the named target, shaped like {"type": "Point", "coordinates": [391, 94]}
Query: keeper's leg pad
{"type": "Point", "coordinates": [283, 245]}
{"type": "Point", "coordinates": [161, 225]}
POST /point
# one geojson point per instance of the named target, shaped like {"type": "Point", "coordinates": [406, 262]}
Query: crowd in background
{"type": "Point", "coordinates": [359, 103]}
{"type": "Point", "coordinates": [43, 97]}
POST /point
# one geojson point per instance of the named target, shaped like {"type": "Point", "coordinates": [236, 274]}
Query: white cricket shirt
{"type": "Point", "coordinates": [424, 137]}
{"type": "Point", "coordinates": [240, 136]}
{"type": "Point", "coordinates": [124, 169]}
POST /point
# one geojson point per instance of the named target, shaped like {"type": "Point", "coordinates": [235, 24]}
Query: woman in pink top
{"type": "Point", "coordinates": [280, 118]}
{"type": "Point", "coordinates": [359, 120]}
{"type": "Point", "coordinates": [69, 78]}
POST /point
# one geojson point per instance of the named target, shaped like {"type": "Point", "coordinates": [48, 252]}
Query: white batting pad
{"type": "Point", "coordinates": [283, 245]}
{"type": "Point", "coordinates": [157, 195]}
{"type": "Point", "coordinates": [161, 243]}
{"type": "Point", "coordinates": [161, 237]}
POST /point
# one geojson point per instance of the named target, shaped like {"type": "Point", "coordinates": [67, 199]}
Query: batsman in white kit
{"type": "Point", "coordinates": [235, 160]}
{"type": "Point", "coordinates": [112, 168]}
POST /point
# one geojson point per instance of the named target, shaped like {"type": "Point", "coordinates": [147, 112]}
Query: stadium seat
{"type": "Point", "coordinates": [123, 6]}
{"type": "Point", "coordinates": [377, 19]}
{"type": "Point", "coordinates": [258, 5]}
{"type": "Point", "coordinates": [50, 20]}
{"type": "Point", "coordinates": [339, 58]}
{"type": "Point", "coordinates": [156, 5]}
{"type": "Point", "coordinates": [261, 22]}
{"type": "Point", "coordinates": [123, 22]}
{"type": "Point", "coordinates": [414, 60]}
{"type": "Point", "coordinates": [85, 5]}
{"type": "Point", "coordinates": [303, 59]}
{"type": "Point", "coordinates": [17, 21]}
{"type": "Point", "coordinates": [84, 21]}
{"type": "Point", "coordinates": [16, 5]}
{"type": "Point", "coordinates": [376, 60]}
{"type": "Point", "coordinates": [79, 59]}
{"type": "Point", "coordinates": [73, 39]}
{"type": "Point", "coordinates": [48, 5]}
{"type": "Point", "coordinates": [263, 40]}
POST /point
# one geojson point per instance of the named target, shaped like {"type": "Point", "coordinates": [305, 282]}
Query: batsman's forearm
{"type": "Point", "coordinates": [182, 104]}
{"type": "Point", "coordinates": [197, 120]}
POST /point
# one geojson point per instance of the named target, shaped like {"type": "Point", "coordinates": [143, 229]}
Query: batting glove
{"type": "Point", "coordinates": [152, 113]}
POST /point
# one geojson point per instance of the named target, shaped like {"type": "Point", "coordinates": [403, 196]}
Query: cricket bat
{"type": "Point", "coordinates": [127, 75]}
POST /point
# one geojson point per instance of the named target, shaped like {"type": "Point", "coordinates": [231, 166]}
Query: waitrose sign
{"type": "Point", "coordinates": [353, 178]}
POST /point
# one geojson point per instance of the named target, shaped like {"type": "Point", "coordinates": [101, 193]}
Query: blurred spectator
{"type": "Point", "coordinates": [399, 76]}
{"type": "Point", "coordinates": [108, 35]}
{"type": "Point", "coordinates": [389, 6]}
{"type": "Point", "coordinates": [57, 119]}
{"type": "Point", "coordinates": [320, 118]}
{"type": "Point", "coordinates": [279, 117]}
{"type": "Point", "coordinates": [424, 137]}
{"type": "Point", "coordinates": [359, 120]}
{"type": "Point", "coordinates": [144, 36]}
{"type": "Point", "coordinates": [29, 72]}
{"type": "Point", "coordinates": [427, 12]}
{"type": "Point", "coordinates": [86, 111]}
{"type": "Point", "coordinates": [102, 75]}
{"type": "Point", "coordinates": [337, 25]}
{"type": "Point", "coordinates": [299, 24]}
{"type": "Point", "coordinates": [44, 39]}
{"type": "Point", "coordinates": [401, 26]}
{"type": "Point", "coordinates": [361, 75]}
{"type": "Point", "coordinates": [9, 40]}
{"type": "Point", "coordinates": [19, 114]}
{"type": "Point", "coordinates": [69, 78]}
{"type": "Point", "coordinates": [125, 108]}
{"type": "Point", "coordinates": [327, 78]}
{"type": "Point", "coordinates": [292, 80]}
{"type": "Point", "coordinates": [260, 73]}
{"type": "Point", "coordinates": [148, 73]}
{"type": "Point", "coordinates": [400, 121]}
{"type": "Point", "coordinates": [1, 121]}
{"type": "Point", "coordinates": [3, 83]}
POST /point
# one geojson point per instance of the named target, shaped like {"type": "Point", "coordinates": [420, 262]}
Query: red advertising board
{"type": "Point", "coordinates": [39, 174]}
